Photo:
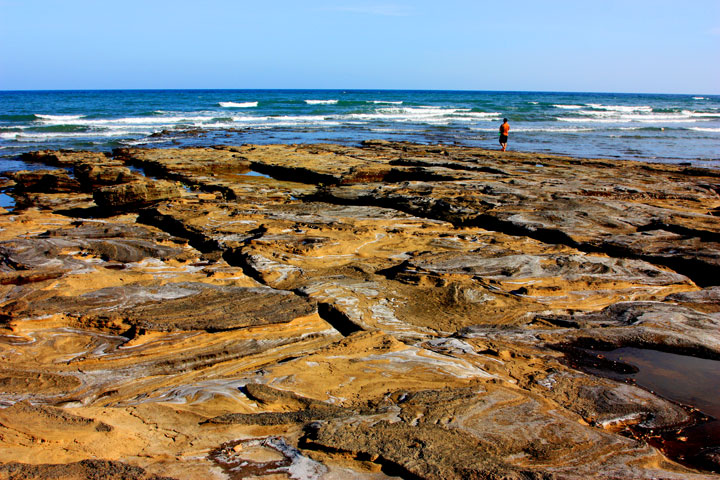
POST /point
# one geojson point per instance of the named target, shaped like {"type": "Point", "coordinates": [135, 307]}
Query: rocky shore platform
{"type": "Point", "coordinates": [385, 311]}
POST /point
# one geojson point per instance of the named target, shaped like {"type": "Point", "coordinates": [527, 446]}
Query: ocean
{"type": "Point", "coordinates": [643, 127]}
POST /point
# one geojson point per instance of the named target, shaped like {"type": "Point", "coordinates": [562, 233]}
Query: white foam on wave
{"type": "Point", "coordinates": [420, 114]}
{"type": "Point", "coordinates": [160, 120]}
{"type": "Point", "coordinates": [274, 122]}
{"type": "Point", "coordinates": [629, 116]}
{"type": "Point", "coordinates": [394, 114]}
{"type": "Point", "coordinates": [321, 102]}
{"type": "Point", "coordinates": [284, 119]}
{"type": "Point", "coordinates": [555, 129]}
{"type": "Point", "coordinates": [424, 114]}
{"type": "Point", "coordinates": [385, 102]}
{"type": "Point", "coordinates": [238, 104]}
{"type": "Point", "coordinates": [624, 120]}
{"type": "Point", "coordinates": [621, 108]}
{"type": "Point", "coordinates": [700, 114]}
{"type": "Point", "coordinates": [147, 141]}
{"type": "Point", "coordinates": [538, 129]}
{"type": "Point", "coordinates": [569, 107]}
{"type": "Point", "coordinates": [482, 115]}
{"type": "Point", "coordinates": [706, 129]}
{"type": "Point", "coordinates": [35, 137]}
{"type": "Point", "coordinates": [58, 118]}
{"type": "Point", "coordinates": [700, 98]}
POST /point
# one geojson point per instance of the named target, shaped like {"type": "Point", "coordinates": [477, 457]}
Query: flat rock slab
{"type": "Point", "coordinates": [475, 433]}
{"type": "Point", "coordinates": [388, 310]}
{"type": "Point", "coordinates": [136, 194]}
{"type": "Point", "coordinates": [220, 308]}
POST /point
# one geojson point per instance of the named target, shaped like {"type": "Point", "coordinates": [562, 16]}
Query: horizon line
{"type": "Point", "coordinates": [342, 90]}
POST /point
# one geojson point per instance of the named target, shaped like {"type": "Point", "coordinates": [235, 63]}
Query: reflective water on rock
{"type": "Point", "coordinates": [688, 380]}
{"type": "Point", "coordinates": [6, 201]}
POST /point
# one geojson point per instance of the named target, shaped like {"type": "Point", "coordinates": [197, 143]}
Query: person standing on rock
{"type": "Point", "coordinates": [504, 130]}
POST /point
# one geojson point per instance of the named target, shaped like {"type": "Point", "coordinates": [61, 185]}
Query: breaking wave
{"type": "Point", "coordinates": [238, 104]}
{"type": "Point", "coordinates": [706, 129]}
{"type": "Point", "coordinates": [58, 118]}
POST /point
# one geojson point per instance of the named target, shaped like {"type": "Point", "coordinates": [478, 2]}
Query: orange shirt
{"type": "Point", "coordinates": [505, 128]}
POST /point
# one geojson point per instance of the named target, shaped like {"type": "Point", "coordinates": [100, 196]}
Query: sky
{"type": "Point", "coordinates": [639, 46]}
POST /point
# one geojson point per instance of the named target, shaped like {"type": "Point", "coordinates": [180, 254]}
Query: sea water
{"type": "Point", "coordinates": [643, 127]}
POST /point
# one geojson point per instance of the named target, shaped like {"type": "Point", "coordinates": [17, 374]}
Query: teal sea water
{"type": "Point", "coordinates": [662, 128]}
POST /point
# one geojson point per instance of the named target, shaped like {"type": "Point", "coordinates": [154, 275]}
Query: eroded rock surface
{"type": "Point", "coordinates": [319, 311]}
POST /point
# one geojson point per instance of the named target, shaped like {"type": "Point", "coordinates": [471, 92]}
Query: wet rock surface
{"type": "Point", "coordinates": [384, 311]}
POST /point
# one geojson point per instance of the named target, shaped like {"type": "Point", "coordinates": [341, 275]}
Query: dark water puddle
{"type": "Point", "coordinates": [684, 379]}
{"type": "Point", "coordinates": [690, 381]}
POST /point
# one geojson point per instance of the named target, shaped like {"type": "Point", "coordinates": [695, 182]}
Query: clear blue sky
{"type": "Point", "coordinates": [663, 46]}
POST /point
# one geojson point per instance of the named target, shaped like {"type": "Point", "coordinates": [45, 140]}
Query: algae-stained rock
{"type": "Point", "coordinates": [47, 181]}
{"type": "Point", "coordinates": [136, 194]}
{"type": "Point", "coordinates": [606, 403]}
{"type": "Point", "coordinates": [490, 432]}
{"type": "Point", "coordinates": [110, 470]}
{"type": "Point", "coordinates": [428, 452]}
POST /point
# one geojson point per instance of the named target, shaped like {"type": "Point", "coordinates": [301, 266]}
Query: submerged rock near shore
{"type": "Point", "coordinates": [390, 310]}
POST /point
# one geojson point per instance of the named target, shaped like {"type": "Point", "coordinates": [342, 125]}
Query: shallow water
{"type": "Point", "coordinates": [684, 379]}
{"type": "Point", "coordinates": [6, 201]}
{"type": "Point", "coordinates": [691, 381]}
{"type": "Point", "coordinates": [669, 128]}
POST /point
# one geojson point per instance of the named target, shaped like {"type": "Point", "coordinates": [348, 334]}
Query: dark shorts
{"type": "Point", "coordinates": [503, 138]}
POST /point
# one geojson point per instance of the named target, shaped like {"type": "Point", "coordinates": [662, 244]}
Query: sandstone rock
{"type": "Point", "coordinates": [93, 176]}
{"type": "Point", "coordinates": [385, 310]}
{"type": "Point", "coordinates": [216, 309]}
{"type": "Point", "coordinates": [65, 158]}
{"type": "Point", "coordinates": [475, 433]}
{"type": "Point", "coordinates": [85, 469]}
{"type": "Point", "coordinates": [706, 300]}
{"type": "Point", "coordinates": [58, 248]}
{"type": "Point", "coordinates": [46, 181]}
{"type": "Point", "coordinates": [136, 194]}
{"type": "Point", "coordinates": [651, 324]}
